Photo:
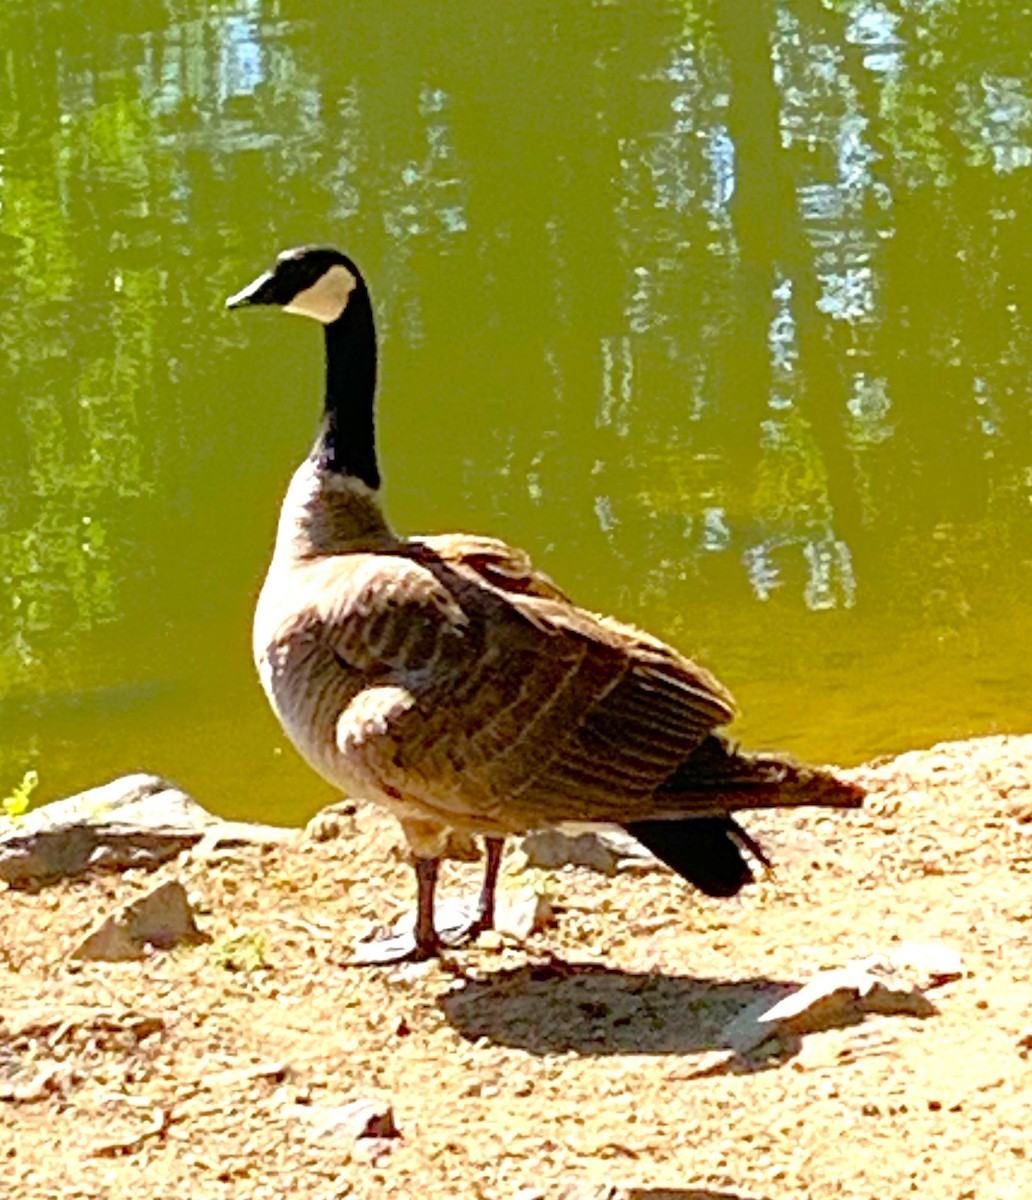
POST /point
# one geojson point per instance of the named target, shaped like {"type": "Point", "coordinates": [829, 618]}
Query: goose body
{"type": "Point", "coordinates": [448, 680]}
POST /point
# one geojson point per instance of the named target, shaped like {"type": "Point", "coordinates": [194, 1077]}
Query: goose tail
{"type": "Point", "coordinates": [707, 851]}
{"type": "Point", "coordinates": [719, 775]}
{"type": "Point", "coordinates": [718, 779]}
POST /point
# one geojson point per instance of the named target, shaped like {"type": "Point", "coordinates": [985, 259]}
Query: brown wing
{"type": "Point", "coordinates": [492, 561]}
{"type": "Point", "coordinates": [388, 614]}
{"type": "Point", "coordinates": [510, 707]}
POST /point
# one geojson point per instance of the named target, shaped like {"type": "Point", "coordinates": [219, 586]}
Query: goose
{"type": "Point", "coordinates": [448, 680]}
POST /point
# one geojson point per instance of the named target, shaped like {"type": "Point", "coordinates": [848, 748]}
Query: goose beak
{"type": "Point", "coordinates": [260, 291]}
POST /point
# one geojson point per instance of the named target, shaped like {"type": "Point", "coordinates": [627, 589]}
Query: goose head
{"type": "Point", "coordinates": [322, 283]}
{"type": "Point", "coordinates": [312, 281]}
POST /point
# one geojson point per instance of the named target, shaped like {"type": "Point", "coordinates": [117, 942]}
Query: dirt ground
{"type": "Point", "coordinates": [590, 1062]}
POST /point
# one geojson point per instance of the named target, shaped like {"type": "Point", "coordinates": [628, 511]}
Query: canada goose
{"type": "Point", "coordinates": [448, 680]}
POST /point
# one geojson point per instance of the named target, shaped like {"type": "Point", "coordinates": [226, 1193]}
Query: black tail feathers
{"type": "Point", "coordinates": [707, 851]}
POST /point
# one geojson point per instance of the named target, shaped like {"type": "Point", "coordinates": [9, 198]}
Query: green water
{"type": "Point", "coordinates": [721, 309]}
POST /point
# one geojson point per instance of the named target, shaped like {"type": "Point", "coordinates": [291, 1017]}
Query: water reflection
{"type": "Point", "coordinates": [723, 310]}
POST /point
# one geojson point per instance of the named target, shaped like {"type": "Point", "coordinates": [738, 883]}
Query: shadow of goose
{"type": "Point", "coordinates": [562, 1007]}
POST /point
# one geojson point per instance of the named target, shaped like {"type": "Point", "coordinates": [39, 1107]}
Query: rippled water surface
{"type": "Point", "coordinates": [720, 309]}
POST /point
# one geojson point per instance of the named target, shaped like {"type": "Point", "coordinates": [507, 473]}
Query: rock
{"type": "Point", "coordinates": [333, 821]}
{"type": "Point", "coordinates": [552, 848]}
{"type": "Point", "coordinates": [895, 998]}
{"type": "Point", "coordinates": [157, 1127]}
{"type": "Point", "coordinates": [136, 821]}
{"type": "Point", "coordinates": [925, 965]}
{"type": "Point", "coordinates": [101, 1028]}
{"type": "Point", "coordinates": [632, 855]}
{"type": "Point", "coordinates": [368, 1124]}
{"type": "Point", "coordinates": [45, 1051]}
{"type": "Point", "coordinates": [522, 914]}
{"type": "Point", "coordinates": [606, 852]}
{"type": "Point", "coordinates": [42, 1083]}
{"type": "Point", "coordinates": [582, 1190]}
{"type": "Point", "coordinates": [236, 1077]}
{"type": "Point", "coordinates": [835, 998]}
{"type": "Point", "coordinates": [161, 919]}
{"type": "Point", "coordinates": [220, 834]}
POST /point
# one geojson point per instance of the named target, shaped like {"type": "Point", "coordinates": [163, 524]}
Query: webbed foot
{"type": "Point", "coordinates": [456, 925]}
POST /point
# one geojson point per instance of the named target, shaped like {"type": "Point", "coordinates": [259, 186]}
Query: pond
{"type": "Point", "coordinates": [720, 310]}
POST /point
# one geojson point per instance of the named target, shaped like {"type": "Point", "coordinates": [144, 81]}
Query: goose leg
{"type": "Point", "coordinates": [427, 943]}
{"type": "Point", "coordinates": [415, 944]}
{"type": "Point", "coordinates": [485, 910]}
{"type": "Point", "coordinates": [422, 940]}
{"type": "Point", "coordinates": [486, 907]}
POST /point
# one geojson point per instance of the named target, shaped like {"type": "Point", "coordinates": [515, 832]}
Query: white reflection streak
{"type": "Point", "coordinates": [875, 27]}
{"type": "Point", "coordinates": [781, 341]}
{"type": "Point", "coordinates": [988, 412]}
{"type": "Point", "coordinates": [607, 521]}
{"type": "Point", "coordinates": [240, 53]}
{"type": "Point", "coordinates": [720, 150]}
{"type": "Point", "coordinates": [849, 294]}
{"type": "Point", "coordinates": [1008, 118]}
{"type": "Point", "coordinates": [716, 535]}
{"type": "Point", "coordinates": [761, 571]}
{"type": "Point", "coordinates": [869, 409]}
{"type": "Point", "coordinates": [432, 204]}
{"type": "Point", "coordinates": [825, 559]}
{"type": "Point", "coordinates": [617, 393]}
{"type": "Point", "coordinates": [343, 177]}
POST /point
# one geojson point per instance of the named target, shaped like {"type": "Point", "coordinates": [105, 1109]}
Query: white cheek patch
{"type": "Point", "coordinates": [327, 298]}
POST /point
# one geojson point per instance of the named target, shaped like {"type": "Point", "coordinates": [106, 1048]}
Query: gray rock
{"type": "Point", "coordinates": [68, 1024]}
{"type": "Point", "coordinates": [137, 821]}
{"type": "Point", "coordinates": [605, 851]}
{"type": "Point", "coordinates": [161, 919]}
{"type": "Point", "coordinates": [333, 821]}
{"type": "Point", "coordinates": [523, 913]}
{"type": "Point", "coordinates": [836, 998]}
{"type": "Point", "coordinates": [36, 1083]}
{"type": "Point", "coordinates": [361, 1118]}
{"type": "Point", "coordinates": [925, 965]}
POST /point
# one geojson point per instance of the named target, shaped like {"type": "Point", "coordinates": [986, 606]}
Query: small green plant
{"type": "Point", "coordinates": [18, 802]}
{"type": "Point", "coordinates": [244, 952]}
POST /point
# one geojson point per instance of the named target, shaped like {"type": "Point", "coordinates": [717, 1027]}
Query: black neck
{"type": "Point", "coordinates": [346, 443]}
